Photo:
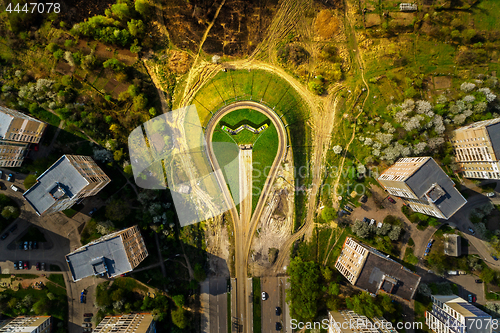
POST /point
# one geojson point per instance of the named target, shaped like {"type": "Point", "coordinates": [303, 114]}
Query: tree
{"type": "Point", "coordinates": [334, 289]}
{"type": "Point", "coordinates": [117, 210]}
{"type": "Point", "coordinates": [120, 10]}
{"type": "Point", "coordinates": [142, 7]}
{"type": "Point", "coordinates": [395, 233]}
{"type": "Point", "coordinates": [365, 305]}
{"type": "Point", "coordinates": [304, 292]}
{"type": "Point", "coordinates": [328, 214]}
{"type": "Point", "coordinates": [140, 102]}
{"type": "Point", "coordinates": [361, 229]}
{"type": "Point", "coordinates": [179, 318]}
{"type": "Point", "coordinates": [29, 181]}
{"type": "Point", "coordinates": [135, 27]}
{"type": "Point", "coordinates": [337, 149]}
{"type": "Point", "coordinates": [334, 304]}
{"type": "Point", "coordinates": [117, 295]}
{"type": "Point", "coordinates": [199, 273]}
{"type": "Point", "coordinates": [327, 274]}
{"type": "Point", "coordinates": [179, 300]}
{"type": "Point", "coordinates": [488, 275]}
{"type": "Point", "coordinates": [10, 212]}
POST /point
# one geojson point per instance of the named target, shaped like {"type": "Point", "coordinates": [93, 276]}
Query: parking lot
{"type": "Point", "coordinates": [275, 289]}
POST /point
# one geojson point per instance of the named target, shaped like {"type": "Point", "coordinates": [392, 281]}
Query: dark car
{"type": "Point", "coordinates": [88, 314]}
{"type": "Point", "coordinates": [391, 200]}
{"type": "Point", "coordinates": [10, 178]}
{"type": "Point", "coordinates": [26, 265]}
{"type": "Point", "coordinates": [4, 236]}
{"type": "Point", "coordinates": [278, 310]}
{"type": "Point", "coordinates": [495, 258]}
{"type": "Point", "coordinates": [42, 266]}
{"type": "Point", "coordinates": [15, 265]}
{"type": "Point", "coordinates": [348, 208]}
{"type": "Point", "coordinates": [345, 212]}
{"type": "Point", "coordinates": [30, 245]}
{"type": "Point", "coordinates": [37, 266]}
{"type": "Point", "coordinates": [21, 246]}
{"type": "Point", "coordinates": [35, 147]}
{"type": "Point", "coordinates": [87, 319]}
{"type": "Point", "coordinates": [35, 245]}
{"type": "Point", "coordinates": [26, 246]}
{"type": "Point", "coordinates": [278, 326]}
{"type": "Point", "coordinates": [479, 281]}
{"type": "Point", "coordinates": [13, 228]}
{"type": "Point", "coordinates": [363, 198]}
{"type": "Point", "coordinates": [92, 211]}
{"type": "Point", "coordinates": [366, 220]}
{"type": "Point", "coordinates": [1, 174]}
{"type": "Point", "coordinates": [82, 298]}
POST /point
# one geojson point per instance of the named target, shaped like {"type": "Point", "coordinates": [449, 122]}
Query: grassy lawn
{"type": "Point", "coordinates": [410, 257]}
{"type": "Point", "coordinates": [57, 279]}
{"type": "Point", "coordinates": [89, 232]}
{"type": "Point", "coordinates": [227, 156]}
{"type": "Point", "coordinates": [33, 234]}
{"type": "Point", "coordinates": [245, 117]}
{"type": "Point", "coordinates": [257, 306]}
{"type": "Point", "coordinates": [70, 212]}
{"type": "Point", "coordinates": [487, 15]}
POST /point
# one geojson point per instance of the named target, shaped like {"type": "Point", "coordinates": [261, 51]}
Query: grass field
{"type": "Point", "coordinates": [267, 88]}
{"type": "Point", "coordinates": [264, 149]}
{"type": "Point", "coordinates": [487, 15]}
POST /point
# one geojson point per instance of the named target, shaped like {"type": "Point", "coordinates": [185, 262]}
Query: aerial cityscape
{"type": "Point", "coordinates": [250, 166]}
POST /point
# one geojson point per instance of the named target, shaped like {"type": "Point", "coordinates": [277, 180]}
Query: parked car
{"type": "Point", "coordinates": [88, 314]}
{"type": "Point", "coordinates": [26, 265]}
{"type": "Point", "coordinates": [92, 211]}
{"type": "Point", "coordinates": [30, 245]}
{"type": "Point", "coordinates": [1, 174]}
{"type": "Point", "coordinates": [21, 246]}
{"type": "Point", "coordinates": [87, 329]}
{"type": "Point", "coordinates": [490, 194]}
{"type": "Point", "coordinates": [391, 200]}
{"type": "Point", "coordinates": [14, 187]}
{"type": "Point", "coordinates": [469, 298]}
{"type": "Point", "coordinates": [35, 147]}
{"type": "Point", "coordinates": [479, 281]}
{"type": "Point", "coordinates": [372, 221]}
{"type": "Point", "coordinates": [495, 258]}
{"type": "Point", "coordinates": [37, 266]}
{"type": "Point", "coordinates": [13, 228]}
{"type": "Point", "coordinates": [427, 250]}
{"type": "Point", "coordinates": [4, 236]}
{"type": "Point", "coordinates": [87, 319]}
{"type": "Point", "coordinates": [363, 198]}
{"type": "Point", "coordinates": [264, 295]}
{"type": "Point", "coordinates": [42, 266]}
{"type": "Point", "coordinates": [15, 265]}
{"type": "Point", "coordinates": [379, 225]}
{"type": "Point", "coordinates": [82, 298]}
{"type": "Point", "coordinates": [345, 212]}
{"type": "Point", "coordinates": [474, 298]}
{"type": "Point", "coordinates": [10, 178]}
{"type": "Point", "coordinates": [472, 231]}
{"type": "Point", "coordinates": [278, 326]}
{"type": "Point", "coordinates": [20, 264]}
{"type": "Point", "coordinates": [348, 208]}
{"type": "Point", "coordinates": [366, 220]}
{"type": "Point", "coordinates": [35, 245]}
{"type": "Point", "coordinates": [86, 325]}
{"type": "Point", "coordinates": [278, 310]}
{"type": "Point", "coordinates": [26, 246]}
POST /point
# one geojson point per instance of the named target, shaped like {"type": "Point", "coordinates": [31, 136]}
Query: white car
{"type": "Point", "coordinates": [372, 221]}
{"type": "Point", "coordinates": [490, 194]}
{"type": "Point", "coordinates": [14, 187]}
{"type": "Point", "coordinates": [264, 296]}
{"type": "Point", "coordinates": [379, 225]}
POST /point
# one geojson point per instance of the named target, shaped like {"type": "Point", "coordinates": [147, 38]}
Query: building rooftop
{"type": "Point", "coordinates": [5, 120]}
{"type": "Point", "coordinates": [61, 180]}
{"type": "Point", "coordinates": [424, 182]}
{"type": "Point", "coordinates": [129, 323]}
{"type": "Point", "coordinates": [22, 324]}
{"type": "Point", "coordinates": [452, 245]}
{"type": "Point", "coordinates": [106, 256]}
{"type": "Point", "coordinates": [381, 272]}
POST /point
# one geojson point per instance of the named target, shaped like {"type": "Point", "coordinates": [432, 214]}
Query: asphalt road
{"type": "Point", "coordinates": [244, 230]}
{"type": "Point", "coordinates": [271, 286]}
{"type": "Point", "coordinates": [218, 305]}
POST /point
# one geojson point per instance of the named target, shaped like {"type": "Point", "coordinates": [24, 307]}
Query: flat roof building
{"type": "Point", "coordinates": [111, 255]}
{"type": "Point", "coordinates": [69, 179]}
{"type": "Point", "coordinates": [17, 131]}
{"type": "Point", "coordinates": [451, 314]}
{"type": "Point", "coordinates": [423, 186]}
{"type": "Point", "coordinates": [452, 245]}
{"type": "Point", "coordinates": [372, 271]}
{"type": "Point", "coordinates": [129, 323]}
{"type": "Point", "coordinates": [35, 324]}
{"type": "Point", "coordinates": [477, 149]}
{"type": "Point", "coordinates": [352, 322]}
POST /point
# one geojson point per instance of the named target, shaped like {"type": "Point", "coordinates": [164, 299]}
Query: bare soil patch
{"type": "Point", "coordinates": [441, 82]}
{"type": "Point", "coordinates": [326, 24]}
{"type": "Point", "coordinates": [64, 68]}
{"type": "Point", "coordinates": [179, 62]}
{"type": "Point", "coordinates": [372, 20]}
{"type": "Point", "coordinates": [403, 19]}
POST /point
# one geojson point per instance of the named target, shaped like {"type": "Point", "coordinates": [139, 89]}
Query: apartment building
{"type": "Point", "coordinates": [350, 322]}
{"type": "Point", "coordinates": [111, 255]}
{"type": "Point", "coordinates": [68, 180]}
{"type": "Point", "coordinates": [423, 186]}
{"type": "Point", "coordinates": [452, 314]}
{"type": "Point", "coordinates": [372, 271]}
{"type": "Point", "coordinates": [477, 149]}
{"type": "Point", "coordinates": [17, 131]}
{"type": "Point", "coordinates": [35, 324]}
{"type": "Point", "coordinates": [129, 323]}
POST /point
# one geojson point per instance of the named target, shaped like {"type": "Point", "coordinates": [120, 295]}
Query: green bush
{"type": "Point", "coordinates": [29, 181]}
